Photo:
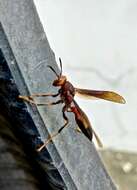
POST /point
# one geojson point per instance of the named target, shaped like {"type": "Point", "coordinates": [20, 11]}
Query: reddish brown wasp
{"type": "Point", "coordinates": [66, 95]}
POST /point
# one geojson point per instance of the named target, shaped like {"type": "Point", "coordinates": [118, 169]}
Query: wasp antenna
{"type": "Point", "coordinates": [53, 70]}
{"type": "Point", "coordinates": [60, 66]}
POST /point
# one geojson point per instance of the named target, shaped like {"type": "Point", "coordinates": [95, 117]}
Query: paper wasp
{"type": "Point", "coordinates": [66, 95]}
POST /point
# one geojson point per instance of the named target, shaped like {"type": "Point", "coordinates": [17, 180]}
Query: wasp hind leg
{"type": "Point", "coordinates": [59, 131]}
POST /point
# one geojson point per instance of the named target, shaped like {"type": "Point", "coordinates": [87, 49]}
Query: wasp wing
{"type": "Point", "coordinates": [84, 123]}
{"type": "Point", "coordinates": [99, 94]}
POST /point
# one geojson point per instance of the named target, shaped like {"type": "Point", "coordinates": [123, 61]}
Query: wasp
{"type": "Point", "coordinates": [66, 95]}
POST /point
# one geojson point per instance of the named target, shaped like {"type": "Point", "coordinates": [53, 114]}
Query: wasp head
{"type": "Point", "coordinates": [60, 81]}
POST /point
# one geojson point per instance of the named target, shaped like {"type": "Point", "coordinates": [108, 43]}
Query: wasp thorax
{"type": "Point", "coordinates": [60, 81]}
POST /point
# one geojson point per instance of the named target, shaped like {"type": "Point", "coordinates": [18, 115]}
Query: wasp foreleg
{"type": "Point", "coordinates": [30, 98]}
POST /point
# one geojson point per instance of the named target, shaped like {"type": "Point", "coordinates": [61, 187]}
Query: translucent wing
{"type": "Point", "coordinates": [98, 94]}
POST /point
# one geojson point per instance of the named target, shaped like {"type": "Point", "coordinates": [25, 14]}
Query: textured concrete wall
{"type": "Point", "coordinates": [73, 155]}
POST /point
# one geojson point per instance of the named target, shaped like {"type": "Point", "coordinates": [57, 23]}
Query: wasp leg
{"type": "Point", "coordinates": [30, 98]}
{"type": "Point", "coordinates": [44, 94]}
{"type": "Point", "coordinates": [55, 134]}
{"type": "Point", "coordinates": [49, 104]}
{"type": "Point", "coordinates": [27, 99]}
{"type": "Point", "coordinates": [78, 130]}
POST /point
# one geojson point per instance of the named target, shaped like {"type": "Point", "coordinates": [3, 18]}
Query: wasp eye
{"type": "Point", "coordinates": [54, 83]}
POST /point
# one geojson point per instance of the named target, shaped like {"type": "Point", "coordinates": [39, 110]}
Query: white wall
{"type": "Point", "coordinates": [97, 41]}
